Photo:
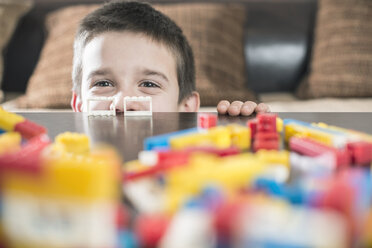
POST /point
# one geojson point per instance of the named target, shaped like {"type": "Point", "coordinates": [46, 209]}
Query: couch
{"type": "Point", "coordinates": [281, 50]}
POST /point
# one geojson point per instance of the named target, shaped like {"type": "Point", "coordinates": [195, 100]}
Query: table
{"type": "Point", "coordinates": [127, 133]}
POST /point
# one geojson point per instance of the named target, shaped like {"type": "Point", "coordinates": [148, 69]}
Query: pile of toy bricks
{"type": "Point", "coordinates": [60, 194]}
{"type": "Point", "coordinates": [269, 183]}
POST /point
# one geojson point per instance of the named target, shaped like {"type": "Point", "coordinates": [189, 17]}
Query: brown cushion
{"type": "Point", "coordinates": [50, 85]}
{"type": "Point", "coordinates": [10, 12]}
{"type": "Point", "coordinates": [341, 63]}
{"type": "Point", "coordinates": [215, 32]}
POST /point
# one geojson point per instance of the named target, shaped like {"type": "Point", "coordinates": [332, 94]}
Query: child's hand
{"type": "Point", "coordinates": [240, 108]}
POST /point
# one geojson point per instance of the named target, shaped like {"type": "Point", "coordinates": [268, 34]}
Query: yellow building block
{"type": "Point", "coordinates": [78, 178]}
{"type": "Point", "coordinates": [10, 142]}
{"type": "Point", "coordinates": [323, 137]}
{"type": "Point", "coordinates": [272, 157]}
{"type": "Point", "coordinates": [74, 142]}
{"type": "Point", "coordinates": [240, 136]}
{"type": "Point", "coordinates": [73, 202]}
{"type": "Point", "coordinates": [291, 130]}
{"type": "Point", "coordinates": [279, 125]}
{"type": "Point", "coordinates": [9, 120]}
{"type": "Point", "coordinates": [230, 173]}
{"type": "Point", "coordinates": [352, 133]}
{"type": "Point", "coordinates": [219, 137]}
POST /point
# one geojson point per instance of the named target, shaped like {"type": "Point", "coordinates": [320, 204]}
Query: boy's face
{"type": "Point", "coordinates": [123, 64]}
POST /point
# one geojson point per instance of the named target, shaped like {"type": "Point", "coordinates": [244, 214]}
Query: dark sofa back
{"type": "Point", "coordinates": [278, 37]}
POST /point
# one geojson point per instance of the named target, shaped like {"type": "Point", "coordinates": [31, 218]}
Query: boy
{"type": "Point", "coordinates": [130, 49]}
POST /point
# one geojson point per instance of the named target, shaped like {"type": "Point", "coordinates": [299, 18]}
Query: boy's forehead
{"type": "Point", "coordinates": [128, 48]}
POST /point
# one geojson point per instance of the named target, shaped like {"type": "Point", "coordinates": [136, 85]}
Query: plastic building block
{"type": "Point", "coordinates": [110, 112]}
{"type": "Point", "coordinates": [146, 195]}
{"type": "Point", "coordinates": [266, 145]}
{"type": "Point", "coordinates": [29, 129]}
{"type": "Point", "coordinates": [272, 157]}
{"type": "Point", "coordinates": [152, 163]}
{"type": "Point", "coordinates": [27, 159]}
{"type": "Point", "coordinates": [143, 101]}
{"type": "Point", "coordinates": [162, 141]}
{"type": "Point", "coordinates": [73, 203]}
{"type": "Point", "coordinates": [240, 136]}
{"type": "Point", "coordinates": [9, 120]}
{"type": "Point", "coordinates": [191, 140]}
{"type": "Point", "coordinates": [279, 125]}
{"type": "Point", "coordinates": [266, 140]}
{"type": "Point", "coordinates": [151, 228]}
{"type": "Point", "coordinates": [219, 137]}
{"type": "Point", "coordinates": [73, 143]}
{"type": "Point", "coordinates": [324, 164]}
{"type": "Point", "coordinates": [320, 134]}
{"type": "Point", "coordinates": [252, 124]}
{"type": "Point", "coordinates": [122, 217]}
{"type": "Point", "coordinates": [266, 136]}
{"type": "Point", "coordinates": [207, 120]}
{"type": "Point", "coordinates": [313, 148]}
{"type": "Point", "coordinates": [230, 173]}
{"type": "Point", "coordinates": [352, 133]}
{"type": "Point", "coordinates": [361, 152]}
{"type": "Point", "coordinates": [10, 142]}
{"type": "Point", "coordinates": [127, 239]}
{"type": "Point", "coordinates": [190, 227]}
{"type": "Point", "coordinates": [163, 158]}
{"type": "Point", "coordinates": [266, 122]}
{"type": "Point", "coordinates": [219, 152]}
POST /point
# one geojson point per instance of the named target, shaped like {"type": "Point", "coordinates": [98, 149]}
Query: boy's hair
{"type": "Point", "coordinates": [139, 18]}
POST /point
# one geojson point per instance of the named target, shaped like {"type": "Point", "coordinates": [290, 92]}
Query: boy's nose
{"type": "Point", "coordinates": [119, 104]}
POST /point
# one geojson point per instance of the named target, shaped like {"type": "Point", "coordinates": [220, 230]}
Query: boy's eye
{"type": "Point", "coordinates": [103, 83]}
{"type": "Point", "coordinates": [149, 84]}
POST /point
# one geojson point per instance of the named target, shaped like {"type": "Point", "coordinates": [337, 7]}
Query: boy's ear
{"type": "Point", "coordinates": [76, 102]}
{"type": "Point", "coordinates": [190, 103]}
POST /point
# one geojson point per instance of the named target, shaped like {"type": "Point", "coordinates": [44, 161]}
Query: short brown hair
{"type": "Point", "coordinates": [139, 18]}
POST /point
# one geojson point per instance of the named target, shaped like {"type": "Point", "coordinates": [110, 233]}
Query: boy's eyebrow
{"type": "Point", "coordinates": [100, 72]}
{"type": "Point", "coordinates": [148, 72]}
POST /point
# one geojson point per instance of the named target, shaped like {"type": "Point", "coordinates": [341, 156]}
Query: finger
{"type": "Point", "coordinates": [262, 108]}
{"type": "Point", "coordinates": [248, 108]}
{"type": "Point", "coordinates": [223, 106]}
{"type": "Point", "coordinates": [234, 108]}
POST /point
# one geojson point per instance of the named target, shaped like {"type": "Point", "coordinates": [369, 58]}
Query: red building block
{"type": "Point", "coordinates": [164, 161]}
{"type": "Point", "coordinates": [267, 136]}
{"type": "Point", "coordinates": [266, 122]}
{"type": "Point", "coordinates": [252, 124]}
{"type": "Point", "coordinates": [267, 145]}
{"type": "Point", "coordinates": [151, 228]}
{"type": "Point", "coordinates": [360, 152]}
{"type": "Point", "coordinates": [29, 129]}
{"type": "Point", "coordinates": [27, 159]}
{"type": "Point", "coordinates": [207, 120]}
{"type": "Point", "coordinates": [313, 148]}
{"type": "Point", "coordinates": [122, 217]}
{"type": "Point", "coordinates": [266, 140]}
